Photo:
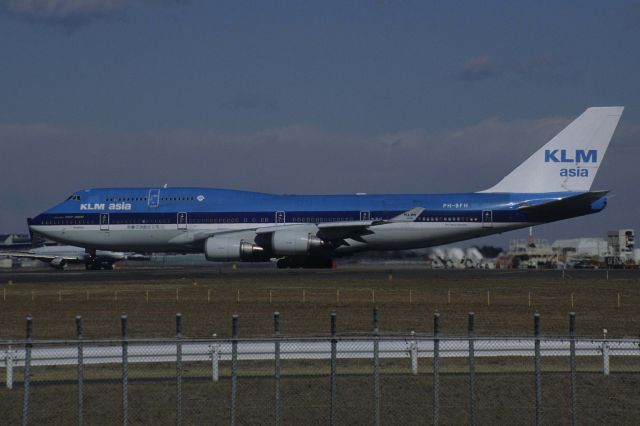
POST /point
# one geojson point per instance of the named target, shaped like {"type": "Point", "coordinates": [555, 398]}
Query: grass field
{"type": "Point", "coordinates": [504, 304]}
{"type": "Point", "coordinates": [502, 399]}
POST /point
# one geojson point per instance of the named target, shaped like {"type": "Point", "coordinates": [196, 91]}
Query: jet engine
{"type": "Point", "coordinates": [289, 243]}
{"type": "Point", "coordinates": [228, 248]}
{"type": "Point", "coordinates": [59, 263]}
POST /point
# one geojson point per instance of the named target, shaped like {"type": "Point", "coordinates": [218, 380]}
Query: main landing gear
{"type": "Point", "coordinates": [306, 262]}
{"type": "Point", "coordinates": [94, 264]}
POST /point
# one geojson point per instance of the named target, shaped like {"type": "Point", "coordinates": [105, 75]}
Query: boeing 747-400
{"type": "Point", "coordinates": [310, 230]}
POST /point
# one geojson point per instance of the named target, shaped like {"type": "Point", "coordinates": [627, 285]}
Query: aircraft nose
{"type": "Point", "coordinates": [37, 224]}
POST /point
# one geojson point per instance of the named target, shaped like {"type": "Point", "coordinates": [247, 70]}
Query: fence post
{"type": "Point", "coordinates": [276, 326]}
{"type": "Point", "coordinates": [178, 369]}
{"type": "Point", "coordinates": [472, 370]}
{"type": "Point", "coordinates": [80, 373]}
{"type": "Point", "coordinates": [234, 366]}
{"type": "Point", "coordinates": [436, 368]}
{"type": "Point", "coordinates": [215, 362]}
{"type": "Point", "coordinates": [538, 372]}
{"type": "Point", "coordinates": [605, 353]}
{"type": "Point", "coordinates": [27, 371]}
{"type": "Point", "coordinates": [125, 369]}
{"type": "Point", "coordinates": [376, 367]}
{"type": "Point", "coordinates": [413, 351]}
{"type": "Point", "coordinates": [572, 362]}
{"type": "Point", "coordinates": [9, 359]}
{"type": "Point", "coordinates": [334, 347]}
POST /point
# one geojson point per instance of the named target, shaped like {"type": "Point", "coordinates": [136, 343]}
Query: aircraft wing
{"type": "Point", "coordinates": [43, 257]}
{"type": "Point", "coordinates": [355, 229]}
{"type": "Point", "coordinates": [327, 230]}
{"type": "Point", "coordinates": [346, 229]}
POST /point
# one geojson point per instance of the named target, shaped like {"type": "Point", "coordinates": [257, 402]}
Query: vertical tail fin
{"type": "Point", "coordinates": [569, 161]}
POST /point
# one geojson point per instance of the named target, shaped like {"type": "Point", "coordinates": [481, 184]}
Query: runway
{"type": "Point", "coordinates": [269, 271]}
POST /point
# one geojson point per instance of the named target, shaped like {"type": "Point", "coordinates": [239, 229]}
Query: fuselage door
{"type": "Point", "coordinates": [487, 218]}
{"type": "Point", "coordinates": [364, 216]}
{"type": "Point", "coordinates": [280, 217]}
{"type": "Point", "coordinates": [104, 221]}
{"type": "Point", "coordinates": [182, 220]}
{"type": "Point", "coordinates": [154, 198]}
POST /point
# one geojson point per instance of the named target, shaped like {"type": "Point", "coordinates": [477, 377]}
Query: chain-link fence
{"type": "Point", "coordinates": [371, 378]}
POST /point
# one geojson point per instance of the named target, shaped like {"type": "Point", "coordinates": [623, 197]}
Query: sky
{"type": "Point", "coordinates": [309, 97]}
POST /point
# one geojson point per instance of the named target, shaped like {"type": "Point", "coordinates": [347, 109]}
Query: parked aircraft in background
{"type": "Point", "coordinates": [59, 257]}
{"type": "Point", "coordinates": [310, 230]}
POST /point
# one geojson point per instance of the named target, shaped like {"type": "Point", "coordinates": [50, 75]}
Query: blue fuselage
{"type": "Point", "coordinates": [180, 219]}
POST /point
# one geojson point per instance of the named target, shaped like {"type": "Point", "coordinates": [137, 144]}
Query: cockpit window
{"type": "Point", "coordinates": [74, 197]}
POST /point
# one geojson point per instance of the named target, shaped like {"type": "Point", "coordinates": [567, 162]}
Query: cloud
{"type": "Point", "coordinates": [66, 12]}
{"type": "Point", "coordinates": [478, 68]}
{"type": "Point", "coordinates": [626, 140]}
{"type": "Point", "coordinates": [72, 13]}
{"type": "Point", "coordinates": [533, 65]}
{"type": "Point", "coordinates": [252, 101]}
{"type": "Point", "coordinates": [541, 68]}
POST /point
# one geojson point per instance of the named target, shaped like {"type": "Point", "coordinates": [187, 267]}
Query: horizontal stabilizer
{"type": "Point", "coordinates": [575, 205]}
{"type": "Point", "coordinates": [587, 197]}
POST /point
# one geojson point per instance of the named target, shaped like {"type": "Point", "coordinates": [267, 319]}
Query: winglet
{"type": "Point", "coordinates": [569, 161]}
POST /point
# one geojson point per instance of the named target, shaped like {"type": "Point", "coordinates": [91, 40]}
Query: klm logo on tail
{"type": "Point", "coordinates": [564, 156]}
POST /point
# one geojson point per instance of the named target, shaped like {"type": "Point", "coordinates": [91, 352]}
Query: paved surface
{"type": "Point", "coordinates": [150, 272]}
{"type": "Point", "coordinates": [312, 349]}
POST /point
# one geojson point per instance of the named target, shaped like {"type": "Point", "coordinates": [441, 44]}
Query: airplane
{"type": "Point", "coordinates": [310, 231]}
{"type": "Point", "coordinates": [58, 257]}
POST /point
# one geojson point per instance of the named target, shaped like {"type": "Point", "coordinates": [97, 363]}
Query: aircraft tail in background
{"type": "Point", "coordinates": [568, 162]}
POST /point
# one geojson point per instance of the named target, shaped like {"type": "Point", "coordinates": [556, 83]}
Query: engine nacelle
{"type": "Point", "coordinates": [58, 263]}
{"type": "Point", "coordinates": [228, 248]}
{"type": "Point", "coordinates": [289, 243]}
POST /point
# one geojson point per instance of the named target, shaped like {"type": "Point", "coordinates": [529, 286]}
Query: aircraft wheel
{"type": "Point", "coordinates": [282, 264]}
{"type": "Point", "coordinates": [92, 266]}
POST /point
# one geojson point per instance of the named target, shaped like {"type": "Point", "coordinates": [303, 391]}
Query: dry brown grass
{"type": "Point", "coordinates": [502, 306]}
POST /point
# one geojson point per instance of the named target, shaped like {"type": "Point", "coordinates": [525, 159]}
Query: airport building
{"type": "Point", "coordinates": [616, 251]}
{"type": "Point", "coordinates": [582, 247]}
{"type": "Point", "coordinates": [622, 244]}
